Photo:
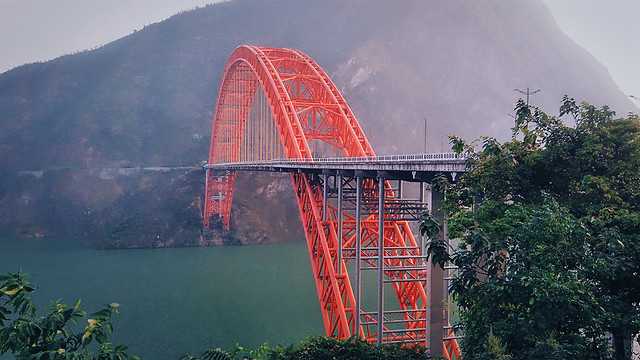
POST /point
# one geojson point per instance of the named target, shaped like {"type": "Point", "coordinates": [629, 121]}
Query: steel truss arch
{"type": "Point", "coordinates": [306, 106]}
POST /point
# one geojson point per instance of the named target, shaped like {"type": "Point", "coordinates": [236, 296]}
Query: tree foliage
{"type": "Point", "coordinates": [57, 335]}
{"type": "Point", "coordinates": [319, 348]}
{"type": "Point", "coordinates": [549, 229]}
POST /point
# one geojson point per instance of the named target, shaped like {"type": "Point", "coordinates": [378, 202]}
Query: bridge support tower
{"type": "Point", "coordinates": [363, 204]}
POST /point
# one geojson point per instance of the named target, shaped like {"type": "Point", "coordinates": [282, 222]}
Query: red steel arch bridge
{"type": "Point", "coordinates": [277, 110]}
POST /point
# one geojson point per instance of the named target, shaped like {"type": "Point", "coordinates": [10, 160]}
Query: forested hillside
{"type": "Point", "coordinates": [70, 128]}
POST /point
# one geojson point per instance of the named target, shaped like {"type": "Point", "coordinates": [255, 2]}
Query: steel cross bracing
{"type": "Point", "coordinates": [279, 104]}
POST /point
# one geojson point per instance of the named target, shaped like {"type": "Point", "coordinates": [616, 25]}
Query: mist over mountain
{"type": "Point", "coordinates": [69, 127]}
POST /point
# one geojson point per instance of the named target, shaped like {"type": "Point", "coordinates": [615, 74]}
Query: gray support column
{"type": "Point", "coordinates": [339, 184]}
{"type": "Point", "coordinates": [324, 196]}
{"type": "Point", "coordinates": [400, 192]}
{"type": "Point", "coordinates": [206, 182]}
{"type": "Point", "coordinates": [358, 252]}
{"type": "Point", "coordinates": [435, 286]}
{"type": "Point", "coordinates": [206, 200]}
{"type": "Point", "coordinates": [381, 182]}
{"type": "Point", "coordinates": [420, 237]}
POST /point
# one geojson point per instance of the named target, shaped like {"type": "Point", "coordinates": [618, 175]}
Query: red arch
{"type": "Point", "coordinates": [277, 71]}
{"type": "Point", "coordinates": [307, 106]}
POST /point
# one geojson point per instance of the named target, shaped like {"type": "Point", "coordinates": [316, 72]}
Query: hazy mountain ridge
{"type": "Point", "coordinates": [148, 99]}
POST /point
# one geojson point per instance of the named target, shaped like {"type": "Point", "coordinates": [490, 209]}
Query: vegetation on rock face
{"type": "Point", "coordinates": [138, 208]}
{"type": "Point", "coordinates": [170, 217]}
{"type": "Point", "coordinates": [115, 208]}
{"type": "Point", "coordinates": [549, 224]}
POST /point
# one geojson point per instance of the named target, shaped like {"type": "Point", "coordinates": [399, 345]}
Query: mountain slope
{"type": "Point", "coordinates": [147, 99]}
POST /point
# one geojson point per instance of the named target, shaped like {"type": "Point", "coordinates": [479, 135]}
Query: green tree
{"type": "Point", "coordinates": [319, 348]}
{"type": "Point", "coordinates": [56, 335]}
{"type": "Point", "coordinates": [549, 225]}
{"type": "Point", "coordinates": [322, 347]}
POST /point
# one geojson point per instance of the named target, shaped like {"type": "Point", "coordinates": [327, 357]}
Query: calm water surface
{"type": "Point", "coordinates": [179, 301]}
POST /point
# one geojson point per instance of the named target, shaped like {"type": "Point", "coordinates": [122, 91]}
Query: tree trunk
{"type": "Point", "coordinates": [621, 344]}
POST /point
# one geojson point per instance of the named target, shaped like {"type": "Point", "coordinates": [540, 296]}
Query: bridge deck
{"type": "Point", "coordinates": [415, 167]}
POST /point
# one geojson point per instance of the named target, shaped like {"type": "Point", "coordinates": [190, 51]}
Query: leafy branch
{"type": "Point", "coordinates": [52, 336]}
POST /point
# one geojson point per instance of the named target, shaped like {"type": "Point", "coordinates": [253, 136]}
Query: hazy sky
{"type": "Point", "coordinates": [37, 30]}
{"type": "Point", "coordinates": [610, 30]}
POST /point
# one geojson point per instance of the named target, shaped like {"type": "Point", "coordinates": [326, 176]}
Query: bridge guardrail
{"type": "Point", "coordinates": [437, 157]}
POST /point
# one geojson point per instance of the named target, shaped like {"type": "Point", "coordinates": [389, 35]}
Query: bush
{"type": "Point", "coordinates": [56, 335]}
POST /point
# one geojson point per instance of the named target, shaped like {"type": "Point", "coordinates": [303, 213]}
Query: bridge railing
{"type": "Point", "coordinates": [430, 157]}
{"type": "Point", "coordinates": [448, 156]}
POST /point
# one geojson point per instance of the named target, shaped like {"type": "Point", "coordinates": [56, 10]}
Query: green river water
{"type": "Point", "coordinates": [179, 301]}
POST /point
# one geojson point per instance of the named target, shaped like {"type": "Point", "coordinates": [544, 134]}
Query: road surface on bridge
{"type": "Point", "coordinates": [413, 167]}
